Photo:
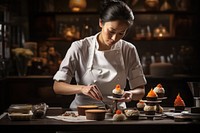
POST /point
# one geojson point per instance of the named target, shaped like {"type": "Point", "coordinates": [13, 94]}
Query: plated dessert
{"type": "Point", "coordinates": [150, 109]}
{"type": "Point", "coordinates": [132, 114]}
{"type": "Point", "coordinates": [179, 103]}
{"type": "Point", "coordinates": [159, 90]}
{"type": "Point", "coordinates": [119, 116]}
{"type": "Point", "coordinates": [117, 91]}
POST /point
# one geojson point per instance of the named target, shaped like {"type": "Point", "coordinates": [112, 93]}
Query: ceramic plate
{"type": "Point", "coordinates": [162, 98]}
{"type": "Point", "coordinates": [156, 115]}
{"type": "Point", "coordinates": [191, 114]}
{"type": "Point", "coordinates": [172, 114]}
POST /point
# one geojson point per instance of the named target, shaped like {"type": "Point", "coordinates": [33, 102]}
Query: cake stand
{"type": "Point", "coordinates": [156, 103]}
{"type": "Point", "coordinates": [116, 100]}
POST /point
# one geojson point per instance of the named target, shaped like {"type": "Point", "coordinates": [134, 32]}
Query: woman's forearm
{"type": "Point", "coordinates": [70, 89]}
{"type": "Point", "coordinates": [66, 88]}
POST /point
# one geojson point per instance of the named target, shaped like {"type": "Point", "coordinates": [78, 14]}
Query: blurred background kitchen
{"type": "Point", "coordinates": [35, 35]}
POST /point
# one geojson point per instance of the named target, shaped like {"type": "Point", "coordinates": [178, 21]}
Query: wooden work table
{"type": "Point", "coordinates": [47, 125]}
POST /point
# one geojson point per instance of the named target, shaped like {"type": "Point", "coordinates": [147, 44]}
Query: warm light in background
{"type": "Point", "coordinates": [77, 5]}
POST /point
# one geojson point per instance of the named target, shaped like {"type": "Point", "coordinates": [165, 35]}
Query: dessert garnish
{"type": "Point", "coordinates": [151, 93]}
{"type": "Point", "coordinates": [179, 101]}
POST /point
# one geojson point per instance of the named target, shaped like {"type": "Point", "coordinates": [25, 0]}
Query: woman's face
{"type": "Point", "coordinates": [112, 31]}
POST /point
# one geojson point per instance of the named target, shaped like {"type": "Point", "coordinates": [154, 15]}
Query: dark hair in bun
{"type": "Point", "coordinates": [116, 10]}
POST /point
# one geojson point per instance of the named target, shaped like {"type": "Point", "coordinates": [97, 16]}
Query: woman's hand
{"type": "Point", "coordinates": [134, 94]}
{"type": "Point", "coordinates": [92, 91]}
{"type": "Point", "coordinates": [128, 96]}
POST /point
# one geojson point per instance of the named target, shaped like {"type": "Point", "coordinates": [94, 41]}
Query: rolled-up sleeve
{"type": "Point", "coordinates": [62, 76]}
{"type": "Point", "coordinates": [136, 76]}
{"type": "Point", "coordinates": [68, 66]}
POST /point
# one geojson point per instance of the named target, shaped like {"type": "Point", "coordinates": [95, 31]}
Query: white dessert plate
{"type": "Point", "coordinates": [172, 114]}
{"type": "Point", "coordinates": [115, 98]}
{"type": "Point", "coordinates": [173, 110]}
{"type": "Point", "coordinates": [156, 115]}
{"type": "Point", "coordinates": [190, 114]}
{"type": "Point", "coordinates": [162, 98]}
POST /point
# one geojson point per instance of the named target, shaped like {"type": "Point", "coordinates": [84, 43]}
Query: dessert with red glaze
{"type": "Point", "coordinates": [151, 96]}
{"type": "Point", "coordinates": [159, 90]}
{"type": "Point", "coordinates": [119, 116]}
{"type": "Point", "coordinates": [117, 91]}
{"type": "Point", "coordinates": [179, 103]}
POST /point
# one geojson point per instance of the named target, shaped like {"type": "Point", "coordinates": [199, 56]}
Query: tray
{"type": "Point", "coordinates": [20, 108]}
{"type": "Point", "coordinates": [20, 116]}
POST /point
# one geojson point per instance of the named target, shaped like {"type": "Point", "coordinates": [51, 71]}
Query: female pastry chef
{"type": "Point", "coordinates": [102, 61]}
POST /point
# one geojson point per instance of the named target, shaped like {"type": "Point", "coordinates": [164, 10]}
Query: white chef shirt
{"type": "Point", "coordinates": [121, 62]}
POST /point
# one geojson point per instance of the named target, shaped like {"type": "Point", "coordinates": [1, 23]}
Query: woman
{"type": "Point", "coordinates": [102, 61]}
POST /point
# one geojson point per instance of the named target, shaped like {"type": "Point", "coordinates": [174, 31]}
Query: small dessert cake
{"type": "Point", "coordinates": [150, 109]}
{"type": "Point", "coordinates": [82, 108]}
{"type": "Point", "coordinates": [95, 114]}
{"type": "Point", "coordinates": [159, 90]}
{"type": "Point", "coordinates": [132, 114]}
{"type": "Point", "coordinates": [159, 109]}
{"type": "Point", "coordinates": [151, 96]}
{"type": "Point", "coordinates": [140, 105]}
{"type": "Point", "coordinates": [179, 104]}
{"type": "Point", "coordinates": [119, 116]}
{"type": "Point", "coordinates": [117, 92]}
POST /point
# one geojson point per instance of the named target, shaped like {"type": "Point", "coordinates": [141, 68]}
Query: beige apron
{"type": "Point", "coordinates": [105, 69]}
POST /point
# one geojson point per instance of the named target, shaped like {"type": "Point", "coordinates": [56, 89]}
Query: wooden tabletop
{"type": "Point", "coordinates": [163, 124]}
